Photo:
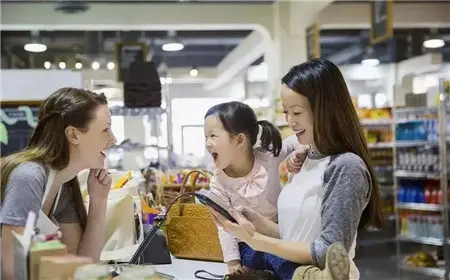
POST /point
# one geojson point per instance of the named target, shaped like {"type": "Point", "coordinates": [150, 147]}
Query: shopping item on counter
{"type": "Point", "coordinates": [191, 231]}
{"type": "Point", "coordinates": [123, 230]}
{"type": "Point", "coordinates": [42, 249]}
{"type": "Point", "coordinates": [61, 267]}
{"type": "Point", "coordinates": [21, 247]}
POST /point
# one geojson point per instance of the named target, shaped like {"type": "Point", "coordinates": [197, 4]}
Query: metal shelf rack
{"type": "Point", "coordinates": [441, 112]}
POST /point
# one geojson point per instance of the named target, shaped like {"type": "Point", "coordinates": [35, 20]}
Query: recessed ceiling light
{"type": "Point", "coordinates": [35, 47]}
{"type": "Point", "coordinates": [370, 62]}
{"type": "Point", "coordinates": [173, 47]}
{"type": "Point", "coordinates": [47, 65]}
{"type": "Point", "coordinates": [110, 65]}
{"type": "Point", "coordinates": [62, 65]}
{"type": "Point", "coordinates": [95, 65]}
{"type": "Point", "coordinates": [78, 65]}
{"type": "Point", "coordinates": [193, 72]}
{"type": "Point", "coordinates": [434, 43]}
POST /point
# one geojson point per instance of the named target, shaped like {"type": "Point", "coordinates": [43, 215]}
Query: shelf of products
{"type": "Point", "coordinates": [377, 128]}
{"type": "Point", "coordinates": [421, 184]}
{"type": "Point", "coordinates": [419, 206]}
{"type": "Point", "coordinates": [420, 227]}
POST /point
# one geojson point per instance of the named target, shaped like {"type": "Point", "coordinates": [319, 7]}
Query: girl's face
{"type": "Point", "coordinates": [219, 143]}
{"type": "Point", "coordinates": [299, 115]}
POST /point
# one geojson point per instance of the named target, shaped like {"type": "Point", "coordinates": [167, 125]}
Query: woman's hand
{"type": "Point", "coordinates": [99, 184]}
{"type": "Point", "coordinates": [243, 229]}
{"type": "Point", "coordinates": [258, 220]}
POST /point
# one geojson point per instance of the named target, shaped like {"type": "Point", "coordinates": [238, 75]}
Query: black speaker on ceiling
{"type": "Point", "coordinates": [141, 86]}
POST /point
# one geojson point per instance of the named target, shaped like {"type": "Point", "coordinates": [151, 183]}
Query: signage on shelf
{"type": "Point", "coordinates": [313, 41]}
{"type": "Point", "coordinates": [126, 54]}
{"type": "Point", "coordinates": [381, 27]}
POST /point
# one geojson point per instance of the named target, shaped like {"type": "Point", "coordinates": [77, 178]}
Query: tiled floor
{"type": "Point", "coordinates": [377, 261]}
{"type": "Point", "coordinates": [386, 269]}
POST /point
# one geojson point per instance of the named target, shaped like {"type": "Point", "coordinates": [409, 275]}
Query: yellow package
{"type": "Point", "coordinates": [122, 181]}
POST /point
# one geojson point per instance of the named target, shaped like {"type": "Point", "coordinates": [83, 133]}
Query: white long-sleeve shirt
{"type": "Point", "coordinates": [258, 190]}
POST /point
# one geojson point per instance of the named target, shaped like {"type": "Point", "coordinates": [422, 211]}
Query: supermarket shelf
{"type": "Point", "coordinates": [431, 271]}
{"type": "Point", "coordinates": [410, 110]}
{"type": "Point", "coordinates": [370, 122]}
{"type": "Point", "coordinates": [416, 174]}
{"type": "Point", "coordinates": [422, 240]}
{"type": "Point", "coordinates": [417, 110]}
{"type": "Point", "coordinates": [415, 120]}
{"type": "Point", "coordinates": [420, 206]}
{"type": "Point", "coordinates": [380, 145]}
{"type": "Point", "coordinates": [406, 143]}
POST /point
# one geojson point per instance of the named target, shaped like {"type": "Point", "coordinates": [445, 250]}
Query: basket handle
{"type": "Point", "coordinates": [195, 173]}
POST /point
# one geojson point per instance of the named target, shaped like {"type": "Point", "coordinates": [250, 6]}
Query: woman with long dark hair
{"type": "Point", "coordinates": [334, 194]}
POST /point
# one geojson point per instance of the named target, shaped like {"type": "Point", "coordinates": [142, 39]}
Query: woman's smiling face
{"type": "Point", "coordinates": [299, 115]}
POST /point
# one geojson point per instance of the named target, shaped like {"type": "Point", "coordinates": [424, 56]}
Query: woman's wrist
{"type": "Point", "coordinates": [97, 205]}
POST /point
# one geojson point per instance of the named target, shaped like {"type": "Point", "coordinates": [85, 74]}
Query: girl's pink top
{"type": "Point", "coordinates": [258, 190]}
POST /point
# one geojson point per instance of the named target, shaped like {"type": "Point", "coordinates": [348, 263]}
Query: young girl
{"type": "Point", "coordinates": [247, 171]}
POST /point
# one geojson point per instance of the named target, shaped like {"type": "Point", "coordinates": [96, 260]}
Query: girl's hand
{"type": "Point", "coordinates": [243, 230]}
{"type": "Point", "coordinates": [294, 160]}
{"type": "Point", "coordinates": [235, 267]}
{"type": "Point", "coordinates": [98, 184]}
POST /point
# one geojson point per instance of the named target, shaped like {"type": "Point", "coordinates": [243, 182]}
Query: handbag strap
{"type": "Point", "coordinates": [212, 276]}
{"type": "Point", "coordinates": [196, 174]}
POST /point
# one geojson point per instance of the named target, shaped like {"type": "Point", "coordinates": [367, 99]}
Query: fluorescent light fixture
{"type": "Point", "coordinates": [172, 47]}
{"type": "Point", "coordinates": [47, 65]}
{"type": "Point", "coordinates": [62, 65]}
{"type": "Point", "coordinates": [35, 47]}
{"type": "Point", "coordinates": [78, 65]}
{"type": "Point", "coordinates": [193, 72]}
{"type": "Point", "coordinates": [95, 65]}
{"type": "Point", "coordinates": [370, 62]}
{"type": "Point", "coordinates": [434, 43]}
{"type": "Point", "coordinates": [110, 65]}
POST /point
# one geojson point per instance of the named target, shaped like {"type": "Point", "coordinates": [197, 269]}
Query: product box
{"type": "Point", "coordinates": [61, 267]}
{"type": "Point", "coordinates": [40, 250]}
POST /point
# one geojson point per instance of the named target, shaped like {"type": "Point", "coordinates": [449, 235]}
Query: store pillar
{"type": "Point", "coordinates": [288, 42]}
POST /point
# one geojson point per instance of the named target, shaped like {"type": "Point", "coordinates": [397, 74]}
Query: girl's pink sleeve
{"type": "Point", "coordinates": [290, 144]}
{"type": "Point", "coordinates": [228, 242]}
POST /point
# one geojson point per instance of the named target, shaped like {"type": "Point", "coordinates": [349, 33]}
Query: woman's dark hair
{"type": "Point", "coordinates": [337, 128]}
{"type": "Point", "coordinates": [48, 144]}
{"type": "Point", "coordinates": [237, 117]}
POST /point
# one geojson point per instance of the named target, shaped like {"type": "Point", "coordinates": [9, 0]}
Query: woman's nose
{"type": "Point", "coordinates": [113, 139]}
{"type": "Point", "coordinates": [290, 122]}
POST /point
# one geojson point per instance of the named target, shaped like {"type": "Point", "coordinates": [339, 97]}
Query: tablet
{"type": "Point", "coordinates": [210, 199]}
